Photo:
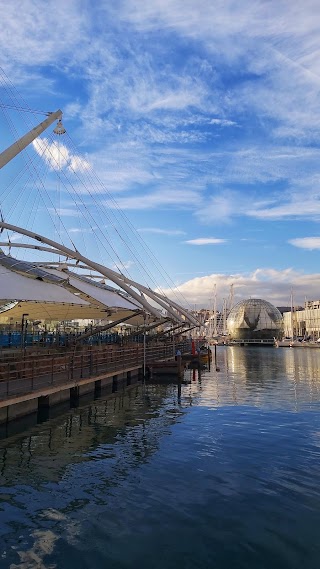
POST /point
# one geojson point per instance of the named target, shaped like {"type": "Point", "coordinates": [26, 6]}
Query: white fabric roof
{"type": "Point", "coordinates": [56, 311]}
{"type": "Point", "coordinates": [103, 295]}
{"type": "Point", "coordinates": [107, 297]}
{"type": "Point", "coordinates": [14, 286]}
{"type": "Point", "coordinates": [74, 298]}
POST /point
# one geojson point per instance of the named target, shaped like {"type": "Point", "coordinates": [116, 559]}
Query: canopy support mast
{"type": "Point", "coordinates": [8, 154]}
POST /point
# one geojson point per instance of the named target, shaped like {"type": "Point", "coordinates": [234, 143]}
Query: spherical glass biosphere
{"type": "Point", "coordinates": [254, 319]}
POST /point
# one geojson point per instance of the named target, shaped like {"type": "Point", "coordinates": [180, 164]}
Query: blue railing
{"type": "Point", "coordinates": [15, 339]}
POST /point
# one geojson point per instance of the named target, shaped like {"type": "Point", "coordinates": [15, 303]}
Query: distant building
{"type": "Point", "coordinates": [254, 319]}
{"type": "Point", "coordinates": [303, 322]}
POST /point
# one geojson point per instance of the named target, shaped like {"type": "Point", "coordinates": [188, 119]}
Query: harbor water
{"type": "Point", "coordinates": [225, 473]}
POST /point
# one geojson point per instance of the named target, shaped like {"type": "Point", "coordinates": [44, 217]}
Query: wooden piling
{"type": "Point", "coordinates": [179, 365]}
{"type": "Point", "coordinates": [215, 358]}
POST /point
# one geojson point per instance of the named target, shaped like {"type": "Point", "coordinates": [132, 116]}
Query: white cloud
{"type": "Point", "coordinates": [157, 230]}
{"type": "Point", "coordinates": [31, 39]}
{"type": "Point", "coordinates": [65, 212]}
{"type": "Point", "coordinates": [297, 208]}
{"type": "Point", "coordinates": [306, 242]}
{"type": "Point", "coordinates": [81, 229]}
{"type": "Point", "coordinates": [58, 156]}
{"type": "Point", "coordinates": [269, 284]}
{"type": "Point", "coordinates": [122, 166]}
{"type": "Point", "coordinates": [205, 241]}
{"type": "Point", "coordinates": [263, 163]}
{"type": "Point", "coordinates": [123, 266]}
{"type": "Point", "coordinates": [299, 202]}
{"type": "Point", "coordinates": [144, 100]}
{"type": "Point", "coordinates": [222, 122]}
{"type": "Point", "coordinates": [221, 207]}
{"type": "Point", "coordinates": [275, 44]}
{"type": "Point", "coordinates": [160, 199]}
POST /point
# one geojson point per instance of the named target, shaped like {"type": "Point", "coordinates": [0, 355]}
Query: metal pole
{"type": "Point", "coordinates": [23, 331]}
{"type": "Point", "coordinates": [144, 347]}
{"type": "Point", "coordinates": [25, 140]}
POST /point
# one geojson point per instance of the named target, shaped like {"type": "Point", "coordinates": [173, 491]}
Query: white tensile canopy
{"type": "Point", "coordinates": [69, 297]}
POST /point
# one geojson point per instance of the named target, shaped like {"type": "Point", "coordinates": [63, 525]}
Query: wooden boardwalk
{"type": "Point", "coordinates": [29, 381]}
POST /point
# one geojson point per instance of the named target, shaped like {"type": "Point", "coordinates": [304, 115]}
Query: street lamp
{"type": "Point", "coordinates": [10, 332]}
{"type": "Point", "coordinates": [23, 329]}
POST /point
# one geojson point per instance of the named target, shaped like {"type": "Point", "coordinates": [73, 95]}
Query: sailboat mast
{"type": "Point", "coordinates": [215, 311]}
{"type": "Point", "coordinates": [231, 297]}
{"type": "Point", "coordinates": [224, 316]}
{"type": "Point", "coordinates": [291, 314]}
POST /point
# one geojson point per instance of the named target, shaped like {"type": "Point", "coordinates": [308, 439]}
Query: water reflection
{"type": "Point", "coordinates": [83, 432]}
{"type": "Point", "coordinates": [267, 377]}
{"type": "Point", "coordinates": [221, 471]}
{"type": "Point", "coordinates": [112, 436]}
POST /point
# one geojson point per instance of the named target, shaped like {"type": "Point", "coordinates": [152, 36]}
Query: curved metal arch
{"type": "Point", "coordinates": [190, 317]}
{"type": "Point", "coordinates": [120, 280]}
{"type": "Point", "coordinates": [160, 299]}
{"type": "Point", "coordinates": [28, 246]}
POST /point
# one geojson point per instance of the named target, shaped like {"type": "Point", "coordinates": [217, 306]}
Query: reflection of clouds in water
{"type": "Point", "coordinates": [71, 528]}
{"type": "Point", "coordinates": [45, 541]}
{"type": "Point", "coordinates": [33, 558]}
{"type": "Point", "coordinates": [117, 468]}
{"type": "Point", "coordinates": [52, 514]}
{"type": "Point", "coordinates": [104, 442]}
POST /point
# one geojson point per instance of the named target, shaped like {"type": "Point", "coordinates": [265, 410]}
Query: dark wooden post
{"type": "Point", "coordinates": [179, 365]}
{"type": "Point", "coordinates": [215, 358]}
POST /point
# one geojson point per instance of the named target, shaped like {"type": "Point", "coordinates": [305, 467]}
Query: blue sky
{"type": "Point", "coordinates": [200, 118]}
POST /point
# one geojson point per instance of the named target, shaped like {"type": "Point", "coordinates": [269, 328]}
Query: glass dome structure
{"type": "Point", "coordinates": [254, 319]}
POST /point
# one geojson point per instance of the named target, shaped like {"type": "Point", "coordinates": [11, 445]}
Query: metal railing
{"type": "Point", "coordinates": [268, 341]}
{"type": "Point", "coordinates": [28, 373]}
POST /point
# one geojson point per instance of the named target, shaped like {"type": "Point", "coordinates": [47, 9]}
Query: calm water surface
{"type": "Point", "coordinates": [227, 475]}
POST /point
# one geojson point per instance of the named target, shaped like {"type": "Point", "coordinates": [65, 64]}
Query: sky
{"type": "Point", "coordinates": [200, 120]}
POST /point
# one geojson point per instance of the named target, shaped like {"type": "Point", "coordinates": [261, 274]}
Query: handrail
{"type": "Point", "coordinates": [31, 373]}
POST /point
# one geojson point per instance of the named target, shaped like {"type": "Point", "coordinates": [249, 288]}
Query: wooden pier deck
{"type": "Point", "coordinates": [29, 382]}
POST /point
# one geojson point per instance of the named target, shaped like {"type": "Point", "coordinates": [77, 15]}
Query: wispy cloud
{"type": "Point", "coordinates": [159, 231]}
{"type": "Point", "coordinates": [296, 208]}
{"type": "Point", "coordinates": [160, 199]}
{"type": "Point", "coordinates": [144, 100]}
{"type": "Point", "coordinates": [205, 241]}
{"type": "Point", "coordinates": [81, 229]}
{"type": "Point", "coordinates": [14, 237]}
{"type": "Point", "coordinates": [222, 122]}
{"type": "Point", "coordinates": [125, 265]}
{"type": "Point", "coordinates": [306, 242]}
{"type": "Point", "coordinates": [34, 43]}
{"type": "Point", "coordinates": [65, 212]}
{"type": "Point", "coordinates": [264, 203]}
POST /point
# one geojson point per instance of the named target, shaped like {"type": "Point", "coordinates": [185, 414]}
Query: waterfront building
{"type": "Point", "coordinates": [254, 319]}
{"type": "Point", "coordinates": [303, 322]}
